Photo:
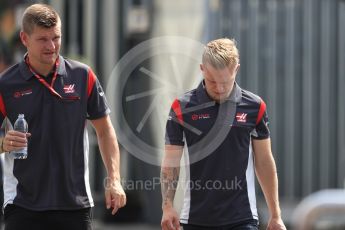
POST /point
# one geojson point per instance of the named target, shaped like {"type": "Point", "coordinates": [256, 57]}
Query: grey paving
{"type": "Point", "coordinates": [102, 226]}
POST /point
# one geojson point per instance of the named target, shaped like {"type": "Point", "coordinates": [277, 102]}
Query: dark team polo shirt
{"type": "Point", "coordinates": [219, 163]}
{"type": "Point", "coordinates": [55, 174]}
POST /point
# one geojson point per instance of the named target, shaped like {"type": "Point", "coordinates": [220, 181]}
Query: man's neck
{"type": "Point", "coordinates": [41, 69]}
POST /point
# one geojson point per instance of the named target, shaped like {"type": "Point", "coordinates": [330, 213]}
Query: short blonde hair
{"type": "Point", "coordinates": [221, 53]}
{"type": "Point", "coordinates": [39, 15]}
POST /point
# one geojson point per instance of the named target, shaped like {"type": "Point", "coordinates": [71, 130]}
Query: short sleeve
{"type": "Point", "coordinates": [97, 105]}
{"type": "Point", "coordinates": [2, 109]}
{"type": "Point", "coordinates": [174, 126]}
{"type": "Point", "coordinates": [2, 117]}
{"type": "Point", "coordinates": [261, 130]}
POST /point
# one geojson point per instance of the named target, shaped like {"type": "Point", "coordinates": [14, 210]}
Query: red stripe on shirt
{"type": "Point", "coordinates": [176, 106]}
{"type": "Point", "coordinates": [261, 111]}
{"type": "Point", "coordinates": [90, 82]}
{"type": "Point", "coordinates": [2, 106]}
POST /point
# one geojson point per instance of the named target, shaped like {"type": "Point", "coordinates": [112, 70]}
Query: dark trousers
{"type": "Point", "coordinates": [18, 218]}
{"type": "Point", "coordinates": [245, 225]}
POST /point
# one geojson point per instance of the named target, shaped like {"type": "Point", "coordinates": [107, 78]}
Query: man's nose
{"type": "Point", "coordinates": [51, 45]}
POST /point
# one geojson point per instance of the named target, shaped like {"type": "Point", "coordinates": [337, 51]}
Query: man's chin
{"type": "Point", "coordinates": [219, 98]}
{"type": "Point", "coordinates": [222, 99]}
{"type": "Point", "coordinates": [49, 61]}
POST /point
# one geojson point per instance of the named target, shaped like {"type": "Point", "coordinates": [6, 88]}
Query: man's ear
{"type": "Point", "coordinates": [202, 67]}
{"type": "Point", "coordinates": [237, 68]}
{"type": "Point", "coordinates": [24, 38]}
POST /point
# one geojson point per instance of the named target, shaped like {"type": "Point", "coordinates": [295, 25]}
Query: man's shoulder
{"type": "Point", "coordinates": [75, 65]}
{"type": "Point", "coordinates": [249, 97]}
{"type": "Point", "coordinates": [9, 74]}
{"type": "Point", "coordinates": [187, 97]}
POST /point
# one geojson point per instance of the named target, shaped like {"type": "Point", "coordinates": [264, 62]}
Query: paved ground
{"type": "Point", "coordinates": [101, 226]}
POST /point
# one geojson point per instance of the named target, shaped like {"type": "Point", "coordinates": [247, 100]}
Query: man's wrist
{"type": "Point", "coordinates": [113, 178]}
{"type": "Point", "coordinates": [276, 215]}
{"type": "Point", "coordinates": [110, 182]}
{"type": "Point", "coordinates": [2, 150]}
{"type": "Point", "coordinates": [167, 205]}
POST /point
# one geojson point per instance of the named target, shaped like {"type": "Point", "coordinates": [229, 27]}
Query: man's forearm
{"type": "Point", "coordinates": [108, 146]}
{"type": "Point", "coordinates": [110, 154]}
{"type": "Point", "coordinates": [267, 175]}
{"type": "Point", "coordinates": [266, 172]}
{"type": "Point", "coordinates": [169, 181]}
{"type": "Point", "coordinates": [170, 172]}
{"type": "Point", "coordinates": [272, 198]}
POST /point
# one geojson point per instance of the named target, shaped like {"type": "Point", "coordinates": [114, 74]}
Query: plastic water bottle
{"type": "Point", "coordinates": [21, 126]}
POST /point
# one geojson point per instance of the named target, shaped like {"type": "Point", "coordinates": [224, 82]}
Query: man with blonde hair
{"type": "Point", "coordinates": [50, 189]}
{"type": "Point", "coordinates": [224, 128]}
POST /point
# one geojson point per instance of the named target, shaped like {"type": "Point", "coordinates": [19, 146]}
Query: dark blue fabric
{"type": "Point", "coordinates": [20, 218]}
{"type": "Point", "coordinates": [53, 175]}
{"type": "Point", "coordinates": [244, 225]}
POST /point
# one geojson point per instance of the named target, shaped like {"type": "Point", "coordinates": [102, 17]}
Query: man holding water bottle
{"type": "Point", "coordinates": [50, 189]}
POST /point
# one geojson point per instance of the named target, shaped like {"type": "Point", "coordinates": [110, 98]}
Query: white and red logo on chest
{"type": "Point", "coordinates": [202, 116]}
{"type": "Point", "coordinates": [21, 93]}
{"type": "Point", "coordinates": [241, 117]}
{"type": "Point", "coordinates": [69, 88]}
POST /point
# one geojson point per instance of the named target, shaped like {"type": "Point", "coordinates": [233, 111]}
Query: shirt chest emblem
{"type": "Point", "coordinates": [22, 93]}
{"type": "Point", "coordinates": [69, 88]}
{"type": "Point", "coordinates": [203, 116]}
{"type": "Point", "coordinates": [241, 117]}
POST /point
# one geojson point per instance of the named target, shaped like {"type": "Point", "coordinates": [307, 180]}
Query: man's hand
{"type": "Point", "coordinates": [115, 197]}
{"type": "Point", "coordinates": [170, 220]}
{"type": "Point", "coordinates": [15, 140]}
{"type": "Point", "coordinates": [276, 224]}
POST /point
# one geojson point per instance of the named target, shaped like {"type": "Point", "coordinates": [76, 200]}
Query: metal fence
{"type": "Point", "coordinates": [293, 55]}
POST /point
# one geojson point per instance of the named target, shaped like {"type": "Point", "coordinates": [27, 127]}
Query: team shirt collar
{"type": "Point", "coordinates": [27, 74]}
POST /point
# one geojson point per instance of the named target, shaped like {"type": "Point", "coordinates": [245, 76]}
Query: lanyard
{"type": "Point", "coordinates": [50, 87]}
